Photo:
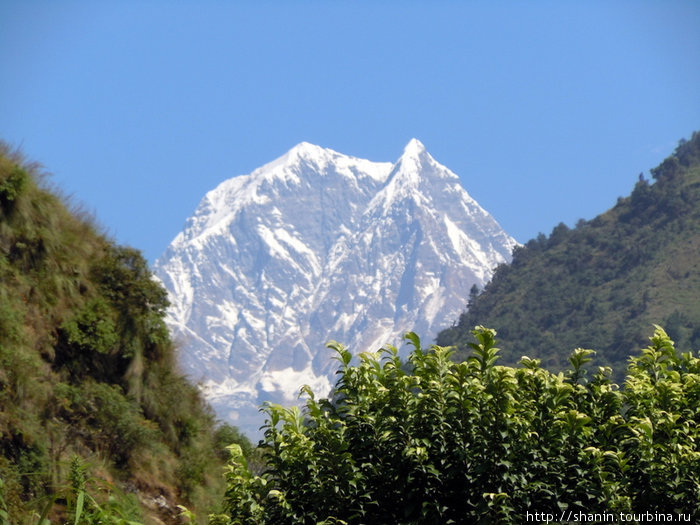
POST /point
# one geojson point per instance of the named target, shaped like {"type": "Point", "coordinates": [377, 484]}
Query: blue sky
{"type": "Point", "coordinates": [547, 110]}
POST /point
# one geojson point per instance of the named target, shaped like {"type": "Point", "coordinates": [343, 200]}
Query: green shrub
{"type": "Point", "coordinates": [92, 329]}
{"type": "Point", "coordinates": [474, 442]}
{"type": "Point", "coordinates": [226, 435]}
{"type": "Point", "coordinates": [101, 412]}
{"type": "Point", "coordinates": [12, 185]}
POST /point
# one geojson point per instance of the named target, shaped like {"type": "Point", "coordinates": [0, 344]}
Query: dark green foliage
{"type": "Point", "coordinates": [226, 435]}
{"type": "Point", "coordinates": [124, 278]}
{"type": "Point", "coordinates": [114, 425]}
{"type": "Point", "coordinates": [475, 442]}
{"type": "Point", "coordinates": [91, 329]}
{"type": "Point", "coordinates": [602, 283]}
{"type": "Point", "coordinates": [12, 185]}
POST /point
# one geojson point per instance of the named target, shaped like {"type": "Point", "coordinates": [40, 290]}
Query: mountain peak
{"type": "Point", "coordinates": [319, 245]}
{"type": "Point", "coordinates": [414, 148]}
{"type": "Point", "coordinates": [306, 150]}
{"type": "Point", "coordinates": [412, 160]}
{"type": "Point", "coordinates": [414, 154]}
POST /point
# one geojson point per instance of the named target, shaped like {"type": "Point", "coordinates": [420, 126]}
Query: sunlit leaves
{"type": "Point", "coordinates": [428, 440]}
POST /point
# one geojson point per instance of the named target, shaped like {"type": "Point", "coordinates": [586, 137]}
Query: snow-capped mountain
{"type": "Point", "coordinates": [316, 246]}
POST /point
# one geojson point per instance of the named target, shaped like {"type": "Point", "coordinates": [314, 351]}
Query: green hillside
{"type": "Point", "coordinates": [89, 394]}
{"type": "Point", "coordinates": [604, 283]}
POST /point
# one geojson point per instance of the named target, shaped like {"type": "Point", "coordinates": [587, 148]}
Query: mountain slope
{"type": "Point", "coordinates": [604, 283]}
{"type": "Point", "coordinates": [88, 383]}
{"type": "Point", "coordinates": [316, 246]}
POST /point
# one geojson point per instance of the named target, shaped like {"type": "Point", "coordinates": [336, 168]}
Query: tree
{"type": "Point", "coordinates": [474, 442]}
{"type": "Point", "coordinates": [473, 294]}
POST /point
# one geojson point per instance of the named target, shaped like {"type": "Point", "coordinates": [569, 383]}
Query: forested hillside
{"type": "Point", "coordinates": [90, 401]}
{"type": "Point", "coordinates": [605, 282]}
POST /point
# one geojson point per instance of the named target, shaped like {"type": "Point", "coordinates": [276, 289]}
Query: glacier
{"type": "Point", "coordinates": [317, 246]}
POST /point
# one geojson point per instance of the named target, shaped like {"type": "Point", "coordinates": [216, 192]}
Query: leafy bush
{"type": "Point", "coordinates": [115, 424]}
{"type": "Point", "coordinates": [92, 328]}
{"type": "Point", "coordinates": [433, 441]}
{"type": "Point", "coordinates": [225, 435]}
{"type": "Point", "coordinates": [12, 185]}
